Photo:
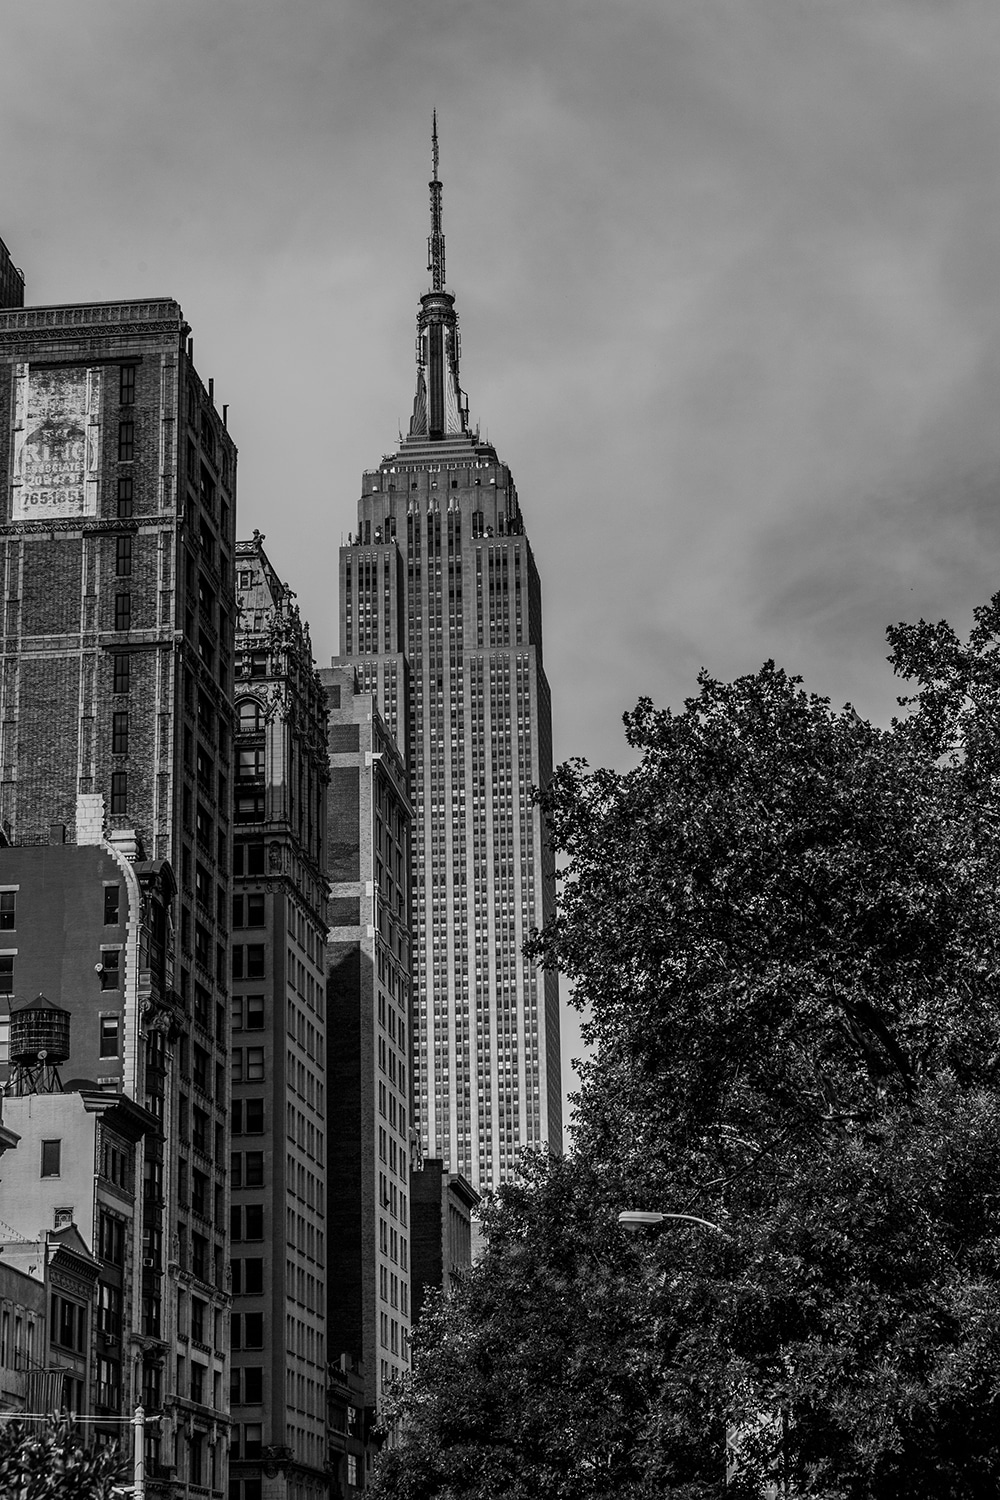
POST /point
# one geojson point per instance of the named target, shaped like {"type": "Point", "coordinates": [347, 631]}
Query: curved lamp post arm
{"type": "Point", "coordinates": [635, 1219]}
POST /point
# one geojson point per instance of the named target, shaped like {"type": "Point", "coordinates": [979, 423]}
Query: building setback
{"type": "Point", "coordinates": [368, 1043]}
{"type": "Point", "coordinates": [440, 579]}
{"type": "Point", "coordinates": [280, 1144]}
{"type": "Point", "coordinates": [116, 641]}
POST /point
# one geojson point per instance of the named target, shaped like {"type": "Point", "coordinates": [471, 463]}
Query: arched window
{"type": "Point", "coordinates": [251, 714]}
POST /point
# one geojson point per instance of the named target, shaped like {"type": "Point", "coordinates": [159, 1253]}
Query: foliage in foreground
{"type": "Point", "coordinates": [48, 1461]}
{"type": "Point", "coordinates": [783, 926]}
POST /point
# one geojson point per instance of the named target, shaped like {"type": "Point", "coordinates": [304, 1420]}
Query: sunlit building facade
{"type": "Point", "coordinates": [441, 615]}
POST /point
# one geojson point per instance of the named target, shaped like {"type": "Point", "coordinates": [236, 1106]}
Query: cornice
{"type": "Point", "coordinates": [86, 526]}
{"type": "Point", "coordinates": [97, 319]}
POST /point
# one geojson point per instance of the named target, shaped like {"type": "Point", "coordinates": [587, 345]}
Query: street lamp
{"type": "Point", "coordinates": [634, 1219]}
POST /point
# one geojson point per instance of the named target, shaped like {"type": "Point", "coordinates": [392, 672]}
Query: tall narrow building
{"type": "Point", "coordinates": [280, 1103]}
{"type": "Point", "coordinates": [368, 1045]}
{"type": "Point", "coordinates": [116, 646]}
{"type": "Point", "coordinates": [440, 612]}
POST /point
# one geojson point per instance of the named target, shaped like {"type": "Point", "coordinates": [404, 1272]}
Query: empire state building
{"type": "Point", "coordinates": [441, 614]}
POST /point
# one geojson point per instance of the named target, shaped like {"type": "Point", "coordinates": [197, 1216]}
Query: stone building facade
{"type": "Point", "coordinates": [280, 1141]}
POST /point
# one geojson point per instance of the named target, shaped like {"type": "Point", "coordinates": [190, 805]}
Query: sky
{"type": "Point", "coordinates": [727, 272]}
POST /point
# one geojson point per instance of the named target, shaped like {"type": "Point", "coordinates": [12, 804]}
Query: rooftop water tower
{"type": "Point", "coordinates": [39, 1043]}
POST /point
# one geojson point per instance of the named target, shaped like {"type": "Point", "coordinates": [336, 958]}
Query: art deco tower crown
{"type": "Point", "coordinates": [440, 407]}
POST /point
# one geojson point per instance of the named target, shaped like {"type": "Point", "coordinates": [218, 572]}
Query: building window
{"type": "Point", "coordinates": [123, 611]}
{"type": "Point", "coordinates": [110, 968]}
{"type": "Point", "coordinates": [122, 669]}
{"type": "Point", "coordinates": [248, 961]}
{"type": "Point", "coordinates": [252, 1431]}
{"type": "Point", "coordinates": [251, 716]}
{"type": "Point", "coordinates": [126, 441]}
{"type": "Point", "coordinates": [254, 1065]}
{"type": "Point", "coordinates": [119, 733]}
{"type": "Point", "coordinates": [248, 1331]}
{"type": "Point", "coordinates": [253, 1175]}
{"type": "Point", "coordinates": [109, 1310]}
{"type": "Point", "coordinates": [51, 1158]}
{"type": "Point", "coordinates": [111, 1240]}
{"type": "Point", "coordinates": [207, 541]}
{"type": "Point", "coordinates": [119, 791]}
{"type": "Point", "coordinates": [248, 1114]}
{"type": "Point", "coordinates": [249, 807]}
{"type": "Point", "coordinates": [248, 858]}
{"type": "Point", "coordinates": [200, 1068]}
{"type": "Point", "coordinates": [248, 911]}
{"type": "Point", "coordinates": [246, 1221]}
{"type": "Point", "coordinates": [6, 973]}
{"type": "Point", "coordinates": [8, 910]}
{"type": "Point", "coordinates": [67, 1323]}
{"type": "Point", "coordinates": [203, 826]}
{"type": "Point", "coordinates": [125, 495]}
{"type": "Point", "coordinates": [126, 385]}
{"type": "Point", "coordinates": [199, 1256]}
{"type": "Point", "coordinates": [253, 1277]}
{"type": "Point", "coordinates": [109, 1026]}
{"type": "Point", "coordinates": [111, 904]}
{"type": "Point", "coordinates": [250, 765]}
{"type": "Point", "coordinates": [253, 1012]}
{"type": "Point", "coordinates": [123, 556]}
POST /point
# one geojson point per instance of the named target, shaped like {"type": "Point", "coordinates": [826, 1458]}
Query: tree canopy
{"type": "Point", "coordinates": [49, 1461]}
{"type": "Point", "coordinates": [782, 926]}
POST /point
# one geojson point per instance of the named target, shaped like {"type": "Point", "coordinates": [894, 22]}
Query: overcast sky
{"type": "Point", "coordinates": [728, 275]}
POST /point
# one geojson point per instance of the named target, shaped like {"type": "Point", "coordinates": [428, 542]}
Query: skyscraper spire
{"type": "Point", "coordinates": [435, 243]}
{"type": "Point", "coordinates": [440, 409]}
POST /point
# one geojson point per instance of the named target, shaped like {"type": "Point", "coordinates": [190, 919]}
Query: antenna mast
{"type": "Point", "coordinates": [435, 243]}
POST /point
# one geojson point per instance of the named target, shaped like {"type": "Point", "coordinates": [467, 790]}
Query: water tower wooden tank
{"type": "Point", "coordinates": [39, 1044]}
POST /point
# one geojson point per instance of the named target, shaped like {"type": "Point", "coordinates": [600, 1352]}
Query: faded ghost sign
{"type": "Point", "coordinates": [56, 443]}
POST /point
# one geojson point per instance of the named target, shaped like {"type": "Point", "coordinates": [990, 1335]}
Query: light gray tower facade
{"type": "Point", "coordinates": [440, 612]}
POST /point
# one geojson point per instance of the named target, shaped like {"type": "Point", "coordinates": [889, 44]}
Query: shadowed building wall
{"type": "Point", "coordinates": [368, 1036]}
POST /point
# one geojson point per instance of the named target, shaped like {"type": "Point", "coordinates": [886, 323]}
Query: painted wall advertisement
{"type": "Point", "coordinates": [56, 443]}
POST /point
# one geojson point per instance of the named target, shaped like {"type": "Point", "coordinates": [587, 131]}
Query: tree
{"type": "Point", "coordinates": [48, 1461]}
{"type": "Point", "coordinates": [783, 925]}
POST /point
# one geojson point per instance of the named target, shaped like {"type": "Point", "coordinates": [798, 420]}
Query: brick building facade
{"type": "Point", "coordinates": [116, 638]}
